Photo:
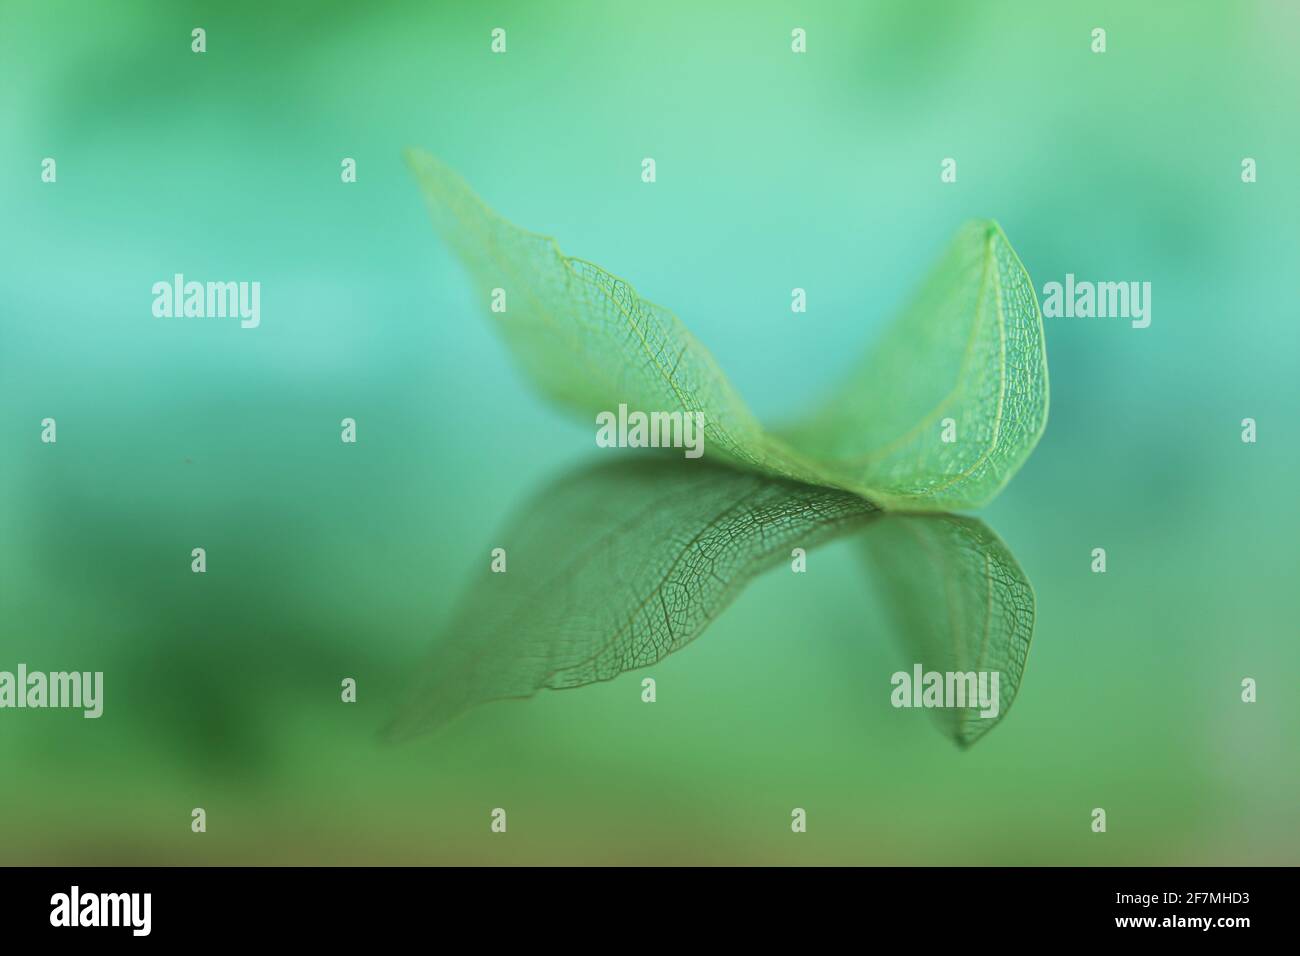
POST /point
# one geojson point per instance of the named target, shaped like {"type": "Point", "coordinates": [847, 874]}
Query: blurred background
{"type": "Point", "coordinates": [775, 170]}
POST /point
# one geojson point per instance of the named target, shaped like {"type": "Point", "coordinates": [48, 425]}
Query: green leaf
{"type": "Point", "coordinates": [970, 348]}
{"type": "Point", "coordinates": [958, 600]}
{"type": "Point", "coordinates": [614, 567]}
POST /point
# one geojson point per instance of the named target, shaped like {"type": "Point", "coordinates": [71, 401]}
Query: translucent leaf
{"type": "Point", "coordinates": [612, 568]}
{"type": "Point", "coordinates": [969, 349]}
{"type": "Point", "coordinates": [958, 600]}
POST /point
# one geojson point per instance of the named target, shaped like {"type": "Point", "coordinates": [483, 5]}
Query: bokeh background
{"type": "Point", "coordinates": [774, 170]}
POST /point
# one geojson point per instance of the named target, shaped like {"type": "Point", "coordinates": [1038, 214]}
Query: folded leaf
{"type": "Point", "coordinates": [936, 417]}
{"type": "Point", "coordinates": [618, 565]}
{"type": "Point", "coordinates": [959, 601]}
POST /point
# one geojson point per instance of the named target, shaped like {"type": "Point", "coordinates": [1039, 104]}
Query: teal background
{"type": "Point", "coordinates": [774, 171]}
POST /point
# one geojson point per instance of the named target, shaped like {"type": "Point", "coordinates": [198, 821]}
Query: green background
{"type": "Point", "coordinates": [774, 170]}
